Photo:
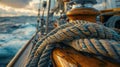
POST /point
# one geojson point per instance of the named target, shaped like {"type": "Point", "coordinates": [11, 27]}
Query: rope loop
{"type": "Point", "coordinates": [82, 36]}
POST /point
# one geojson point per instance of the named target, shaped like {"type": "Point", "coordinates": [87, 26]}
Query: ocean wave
{"type": "Point", "coordinates": [12, 37]}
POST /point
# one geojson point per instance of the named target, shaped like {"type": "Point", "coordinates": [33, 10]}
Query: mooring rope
{"type": "Point", "coordinates": [82, 36]}
{"type": "Point", "coordinates": [42, 39]}
{"type": "Point", "coordinates": [54, 31]}
{"type": "Point", "coordinates": [112, 21]}
{"type": "Point", "coordinates": [117, 30]}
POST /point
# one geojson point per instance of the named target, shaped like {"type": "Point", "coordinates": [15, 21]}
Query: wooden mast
{"type": "Point", "coordinates": [48, 12]}
{"type": "Point", "coordinates": [38, 17]}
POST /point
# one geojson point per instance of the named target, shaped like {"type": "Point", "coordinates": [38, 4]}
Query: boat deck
{"type": "Point", "coordinates": [21, 57]}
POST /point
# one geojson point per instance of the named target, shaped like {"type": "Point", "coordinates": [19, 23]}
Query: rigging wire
{"type": "Point", "coordinates": [43, 7]}
{"type": "Point", "coordinates": [37, 25]}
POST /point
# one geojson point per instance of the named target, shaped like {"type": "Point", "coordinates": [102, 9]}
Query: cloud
{"type": "Point", "coordinates": [19, 7]}
{"type": "Point", "coordinates": [9, 11]}
{"type": "Point", "coordinates": [99, 1]}
{"type": "Point", "coordinates": [100, 6]}
{"type": "Point", "coordinates": [15, 3]}
{"type": "Point", "coordinates": [32, 6]}
{"type": "Point", "coordinates": [27, 8]}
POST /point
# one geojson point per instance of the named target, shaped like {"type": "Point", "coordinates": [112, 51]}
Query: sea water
{"type": "Point", "coordinates": [15, 32]}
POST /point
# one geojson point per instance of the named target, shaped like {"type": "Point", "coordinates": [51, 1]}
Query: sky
{"type": "Point", "coordinates": [20, 7]}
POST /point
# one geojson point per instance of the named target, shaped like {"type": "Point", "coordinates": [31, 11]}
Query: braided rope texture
{"type": "Point", "coordinates": [112, 21]}
{"type": "Point", "coordinates": [81, 35]}
{"type": "Point", "coordinates": [117, 30]}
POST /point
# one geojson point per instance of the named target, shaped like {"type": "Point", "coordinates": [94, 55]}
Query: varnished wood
{"type": "Point", "coordinates": [65, 4]}
{"type": "Point", "coordinates": [66, 0]}
{"type": "Point", "coordinates": [67, 57]}
{"type": "Point", "coordinates": [88, 14]}
{"type": "Point", "coordinates": [111, 12]}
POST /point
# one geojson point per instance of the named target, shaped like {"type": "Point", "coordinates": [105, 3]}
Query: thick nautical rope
{"type": "Point", "coordinates": [105, 47]}
{"type": "Point", "coordinates": [51, 33]}
{"type": "Point", "coordinates": [112, 21]}
{"type": "Point", "coordinates": [87, 33]}
{"type": "Point", "coordinates": [55, 30]}
{"type": "Point", "coordinates": [80, 22]}
{"type": "Point", "coordinates": [117, 30]}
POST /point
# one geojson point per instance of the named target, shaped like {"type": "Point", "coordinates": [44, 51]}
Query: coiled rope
{"type": "Point", "coordinates": [117, 30]}
{"type": "Point", "coordinates": [112, 21]}
{"type": "Point", "coordinates": [51, 33]}
{"type": "Point", "coordinates": [82, 36]}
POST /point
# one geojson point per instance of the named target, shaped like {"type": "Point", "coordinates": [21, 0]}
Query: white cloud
{"type": "Point", "coordinates": [21, 7]}
{"type": "Point", "coordinates": [100, 6]}
{"type": "Point", "coordinates": [15, 3]}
